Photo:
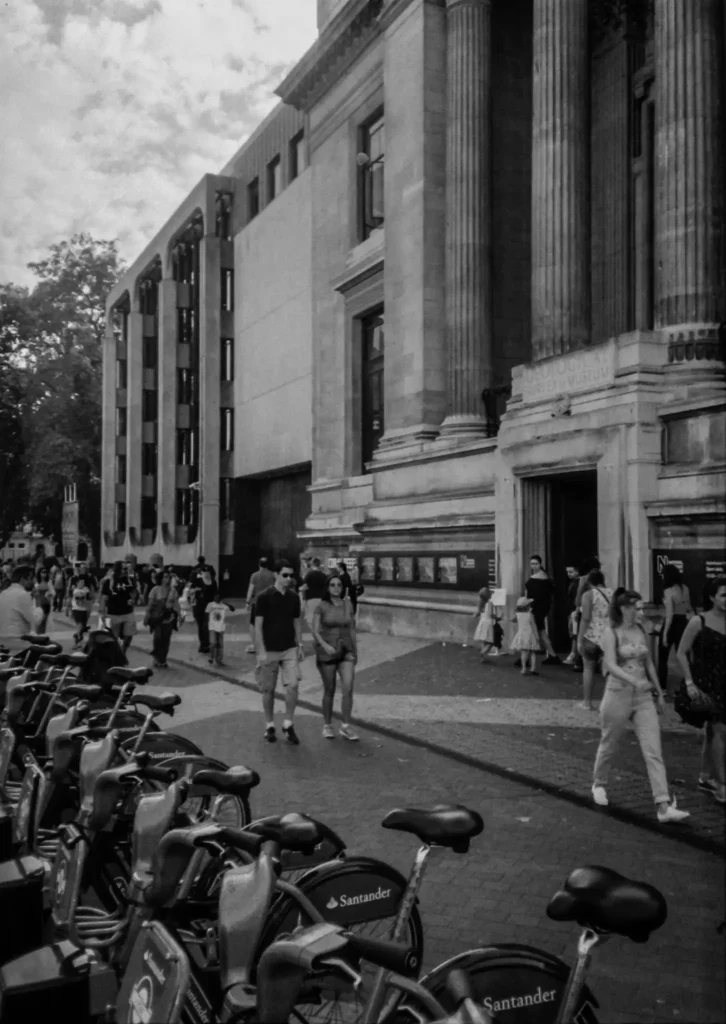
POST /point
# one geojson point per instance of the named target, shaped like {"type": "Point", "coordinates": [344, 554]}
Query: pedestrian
{"type": "Point", "coordinates": [573, 615]}
{"type": "Point", "coordinates": [58, 580]}
{"type": "Point", "coordinates": [17, 612]}
{"type": "Point", "coordinates": [678, 610]}
{"type": "Point", "coordinates": [527, 638]}
{"type": "Point", "coordinates": [336, 653]}
{"type": "Point", "coordinates": [203, 590]}
{"type": "Point", "coordinates": [161, 617]}
{"type": "Point", "coordinates": [43, 597]}
{"type": "Point", "coordinates": [278, 639]}
{"type": "Point", "coordinates": [540, 589]}
{"type": "Point", "coordinates": [81, 598]}
{"type": "Point", "coordinates": [217, 613]}
{"type": "Point", "coordinates": [702, 658]}
{"type": "Point", "coordinates": [350, 587]}
{"type": "Point", "coordinates": [484, 632]}
{"type": "Point", "coordinates": [632, 693]}
{"type": "Point", "coordinates": [262, 579]}
{"type": "Point", "coordinates": [594, 621]}
{"type": "Point", "coordinates": [117, 601]}
{"type": "Point", "coordinates": [312, 589]}
{"type": "Point", "coordinates": [185, 601]}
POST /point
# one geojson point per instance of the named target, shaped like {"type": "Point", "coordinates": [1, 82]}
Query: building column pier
{"type": "Point", "coordinates": [468, 217]}
{"type": "Point", "coordinates": [167, 392]}
{"type": "Point", "coordinates": [691, 173]}
{"type": "Point", "coordinates": [134, 425]}
{"type": "Point", "coordinates": [560, 179]}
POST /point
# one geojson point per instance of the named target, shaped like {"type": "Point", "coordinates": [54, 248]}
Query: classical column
{"type": "Point", "coordinates": [108, 425]}
{"type": "Point", "coordinates": [167, 392]}
{"type": "Point", "coordinates": [468, 216]}
{"type": "Point", "coordinates": [690, 127]}
{"type": "Point", "coordinates": [134, 428]}
{"type": "Point", "coordinates": [560, 178]}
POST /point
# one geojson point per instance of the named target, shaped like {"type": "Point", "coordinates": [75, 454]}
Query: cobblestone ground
{"type": "Point", "coordinates": [499, 891]}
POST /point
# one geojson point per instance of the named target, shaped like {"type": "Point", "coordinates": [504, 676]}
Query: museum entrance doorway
{"type": "Point", "coordinates": [560, 525]}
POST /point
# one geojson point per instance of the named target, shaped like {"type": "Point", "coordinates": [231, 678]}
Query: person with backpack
{"type": "Point", "coordinates": [594, 620]}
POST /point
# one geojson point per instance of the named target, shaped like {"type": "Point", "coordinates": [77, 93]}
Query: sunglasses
{"type": "Point", "coordinates": [287, 575]}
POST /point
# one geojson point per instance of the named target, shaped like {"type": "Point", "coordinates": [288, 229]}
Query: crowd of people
{"type": "Point", "coordinates": [611, 633]}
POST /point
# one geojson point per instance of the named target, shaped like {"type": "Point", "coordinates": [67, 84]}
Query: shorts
{"type": "Point", "coordinates": [591, 651]}
{"type": "Point", "coordinates": [123, 625]}
{"type": "Point", "coordinates": [282, 663]}
{"type": "Point", "coordinates": [540, 620]}
{"type": "Point", "coordinates": [80, 616]}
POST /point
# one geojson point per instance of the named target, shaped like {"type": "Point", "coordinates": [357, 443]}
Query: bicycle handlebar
{"type": "Point", "coordinates": [391, 956]}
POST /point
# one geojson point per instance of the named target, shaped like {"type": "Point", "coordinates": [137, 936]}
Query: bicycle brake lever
{"type": "Point", "coordinates": [344, 967]}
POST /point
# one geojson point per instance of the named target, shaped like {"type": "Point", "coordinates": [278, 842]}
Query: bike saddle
{"type": "Point", "coordinates": [86, 691]}
{"type": "Point", "coordinates": [44, 649]}
{"type": "Point", "coordinates": [445, 825]}
{"type": "Point", "coordinates": [42, 639]}
{"type": "Point", "coordinates": [236, 781]}
{"type": "Point", "coordinates": [62, 659]}
{"type": "Point", "coordinates": [8, 673]}
{"type": "Point", "coordinates": [166, 701]}
{"type": "Point", "coordinates": [137, 675]}
{"type": "Point", "coordinates": [294, 832]}
{"type": "Point", "coordinates": [605, 901]}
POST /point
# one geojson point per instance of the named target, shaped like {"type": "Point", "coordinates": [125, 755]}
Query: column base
{"type": "Point", "coordinates": [460, 428]}
{"type": "Point", "coordinates": [413, 439]}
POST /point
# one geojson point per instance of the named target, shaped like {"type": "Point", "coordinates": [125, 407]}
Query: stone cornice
{"type": "Point", "coordinates": [336, 49]}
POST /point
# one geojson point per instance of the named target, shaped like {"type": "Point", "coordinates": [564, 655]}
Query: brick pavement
{"type": "Point", "coordinates": [498, 892]}
{"type": "Point", "coordinates": [441, 696]}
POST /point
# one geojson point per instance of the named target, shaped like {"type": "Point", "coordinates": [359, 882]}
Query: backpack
{"type": "Point", "coordinates": [104, 652]}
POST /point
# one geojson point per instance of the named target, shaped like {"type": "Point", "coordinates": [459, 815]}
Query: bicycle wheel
{"type": "Point", "coordinates": [363, 895]}
{"type": "Point", "coordinates": [522, 984]}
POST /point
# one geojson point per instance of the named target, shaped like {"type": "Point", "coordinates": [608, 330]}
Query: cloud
{"type": "Point", "coordinates": [113, 109]}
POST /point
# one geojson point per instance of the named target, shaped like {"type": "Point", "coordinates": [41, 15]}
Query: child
{"type": "Point", "coordinates": [486, 627]}
{"type": "Point", "coordinates": [217, 613]}
{"type": "Point", "coordinates": [526, 640]}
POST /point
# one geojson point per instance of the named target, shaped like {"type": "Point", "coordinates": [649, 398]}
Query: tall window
{"type": "Point", "coordinates": [120, 523]}
{"type": "Point", "coordinates": [186, 387]}
{"type": "Point", "coordinates": [148, 513]}
{"type": "Point", "coordinates": [274, 178]}
{"type": "Point", "coordinates": [149, 406]}
{"type": "Point", "coordinates": [227, 430]}
{"type": "Point", "coordinates": [120, 469]}
{"type": "Point", "coordinates": [225, 497]}
{"type": "Point", "coordinates": [297, 155]}
{"type": "Point", "coordinates": [186, 506]}
{"type": "Point", "coordinates": [227, 290]}
{"type": "Point", "coordinates": [185, 447]}
{"type": "Point", "coordinates": [121, 374]}
{"type": "Point", "coordinates": [121, 421]}
{"type": "Point", "coordinates": [372, 424]}
{"type": "Point", "coordinates": [223, 216]}
{"type": "Point", "coordinates": [227, 359]}
{"type": "Point", "coordinates": [370, 180]}
{"type": "Point", "coordinates": [253, 198]}
{"type": "Point", "coordinates": [149, 459]}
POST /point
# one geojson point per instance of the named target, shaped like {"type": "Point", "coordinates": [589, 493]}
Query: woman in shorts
{"type": "Point", "coordinates": [594, 621]}
{"type": "Point", "coordinates": [336, 652]}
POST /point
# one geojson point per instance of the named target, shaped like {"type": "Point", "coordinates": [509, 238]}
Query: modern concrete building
{"type": "Point", "coordinates": [525, 199]}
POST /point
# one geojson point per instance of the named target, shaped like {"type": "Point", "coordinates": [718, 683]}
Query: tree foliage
{"type": "Point", "coordinates": [51, 359]}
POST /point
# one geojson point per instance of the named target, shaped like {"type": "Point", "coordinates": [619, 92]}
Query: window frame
{"type": "Point", "coordinates": [122, 418]}
{"type": "Point", "coordinates": [371, 367]}
{"type": "Point", "coordinates": [297, 147]}
{"type": "Point", "coordinates": [226, 360]}
{"type": "Point", "coordinates": [253, 198]}
{"type": "Point", "coordinates": [226, 428]}
{"type": "Point", "coordinates": [227, 290]}
{"type": "Point", "coordinates": [273, 175]}
{"type": "Point", "coordinates": [365, 177]}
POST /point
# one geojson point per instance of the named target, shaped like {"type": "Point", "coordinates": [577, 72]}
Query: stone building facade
{"type": "Point", "coordinates": [517, 293]}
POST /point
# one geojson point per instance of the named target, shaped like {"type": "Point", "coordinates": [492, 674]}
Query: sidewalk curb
{"type": "Point", "coordinates": [480, 764]}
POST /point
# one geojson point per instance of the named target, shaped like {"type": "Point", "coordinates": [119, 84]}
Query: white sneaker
{"type": "Point", "coordinates": [569, 660]}
{"type": "Point", "coordinates": [494, 653]}
{"type": "Point", "coordinates": [348, 732]}
{"type": "Point", "coordinates": [672, 814]}
{"type": "Point", "coordinates": [600, 796]}
{"type": "Point", "coordinates": [328, 732]}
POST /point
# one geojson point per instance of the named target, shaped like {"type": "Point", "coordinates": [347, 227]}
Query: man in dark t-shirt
{"type": "Point", "coordinates": [312, 589]}
{"type": "Point", "coordinates": [278, 639]}
{"type": "Point", "coordinates": [117, 600]}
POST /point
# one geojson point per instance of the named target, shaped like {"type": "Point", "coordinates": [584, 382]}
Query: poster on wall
{"type": "Point", "coordinates": [477, 569]}
{"type": "Point", "coordinates": [404, 569]}
{"type": "Point", "coordinates": [425, 569]}
{"type": "Point", "coordinates": [697, 566]}
{"type": "Point", "coordinates": [385, 569]}
{"type": "Point", "coordinates": [368, 568]}
{"type": "Point", "coordinates": [448, 570]}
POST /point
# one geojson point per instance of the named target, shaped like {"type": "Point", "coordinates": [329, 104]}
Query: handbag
{"type": "Point", "coordinates": [695, 711]}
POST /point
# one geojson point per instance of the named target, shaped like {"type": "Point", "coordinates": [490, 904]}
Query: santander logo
{"type": "Point", "coordinates": [352, 901]}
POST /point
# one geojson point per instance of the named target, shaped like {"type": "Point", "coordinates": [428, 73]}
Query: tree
{"type": "Point", "coordinates": [56, 336]}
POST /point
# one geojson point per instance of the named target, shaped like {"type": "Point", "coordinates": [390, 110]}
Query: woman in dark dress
{"type": "Point", "coordinates": [540, 589]}
{"type": "Point", "coordinates": [702, 656]}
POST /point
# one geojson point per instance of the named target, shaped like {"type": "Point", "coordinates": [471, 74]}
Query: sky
{"type": "Point", "coordinates": [112, 110]}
